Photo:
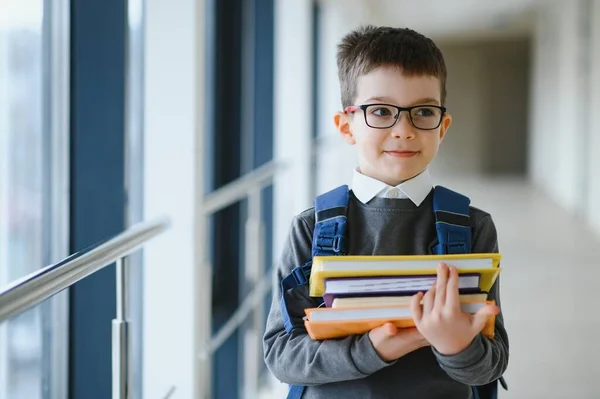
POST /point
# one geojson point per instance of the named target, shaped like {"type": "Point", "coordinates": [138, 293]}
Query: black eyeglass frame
{"type": "Point", "coordinates": [354, 108]}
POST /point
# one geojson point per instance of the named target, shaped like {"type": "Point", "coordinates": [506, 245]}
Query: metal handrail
{"type": "Point", "coordinates": [248, 187]}
{"type": "Point", "coordinates": [240, 189]}
{"type": "Point", "coordinates": [40, 285]}
{"type": "Point", "coordinates": [36, 287]}
{"type": "Point", "coordinates": [250, 303]}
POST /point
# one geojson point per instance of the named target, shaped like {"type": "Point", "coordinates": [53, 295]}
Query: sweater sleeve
{"type": "Point", "coordinates": [296, 358]}
{"type": "Point", "coordinates": [485, 360]}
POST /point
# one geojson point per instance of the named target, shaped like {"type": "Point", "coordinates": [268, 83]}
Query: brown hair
{"type": "Point", "coordinates": [370, 47]}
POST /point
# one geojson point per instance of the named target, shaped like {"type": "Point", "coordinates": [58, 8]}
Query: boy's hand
{"type": "Point", "coordinates": [440, 318]}
{"type": "Point", "coordinates": [391, 342]}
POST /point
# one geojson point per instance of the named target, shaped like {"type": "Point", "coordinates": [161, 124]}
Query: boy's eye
{"type": "Point", "coordinates": [425, 111]}
{"type": "Point", "coordinates": [381, 111]}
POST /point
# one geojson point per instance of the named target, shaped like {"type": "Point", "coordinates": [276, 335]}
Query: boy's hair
{"type": "Point", "coordinates": [370, 47]}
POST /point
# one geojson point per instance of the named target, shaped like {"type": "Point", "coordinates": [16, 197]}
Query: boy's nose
{"type": "Point", "coordinates": [403, 129]}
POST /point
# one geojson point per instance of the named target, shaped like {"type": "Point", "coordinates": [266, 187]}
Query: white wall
{"type": "Point", "coordinates": [174, 62]}
{"type": "Point", "coordinates": [565, 99]}
{"type": "Point", "coordinates": [487, 98]}
{"type": "Point", "coordinates": [543, 113]}
{"type": "Point", "coordinates": [559, 103]}
{"type": "Point", "coordinates": [466, 103]}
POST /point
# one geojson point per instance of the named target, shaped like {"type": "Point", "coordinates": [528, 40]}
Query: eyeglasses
{"type": "Point", "coordinates": [384, 116]}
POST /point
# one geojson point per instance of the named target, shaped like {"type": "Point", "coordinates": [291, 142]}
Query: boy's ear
{"type": "Point", "coordinates": [342, 124]}
{"type": "Point", "coordinates": [446, 122]}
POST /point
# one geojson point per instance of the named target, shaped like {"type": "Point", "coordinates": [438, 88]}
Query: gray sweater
{"type": "Point", "coordinates": [349, 367]}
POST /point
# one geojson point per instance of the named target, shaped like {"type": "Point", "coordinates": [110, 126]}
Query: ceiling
{"type": "Point", "coordinates": [447, 19]}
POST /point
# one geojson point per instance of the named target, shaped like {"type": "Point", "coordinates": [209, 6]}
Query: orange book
{"type": "Point", "coordinates": [329, 323]}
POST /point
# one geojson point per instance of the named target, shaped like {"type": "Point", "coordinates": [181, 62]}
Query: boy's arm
{"type": "Point", "coordinates": [484, 360]}
{"type": "Point", "coordinates": [296, 358]}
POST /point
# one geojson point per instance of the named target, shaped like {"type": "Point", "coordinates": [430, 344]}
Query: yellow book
{"type": "Point", "coordinates": [324, 267]}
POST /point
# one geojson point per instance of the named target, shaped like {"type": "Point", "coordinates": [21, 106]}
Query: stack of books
{"type": "Point", "coordinates": [364, 292]}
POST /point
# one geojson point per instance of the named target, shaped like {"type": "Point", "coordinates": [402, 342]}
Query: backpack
{"type": "Point", "coordinates": [453, 227]}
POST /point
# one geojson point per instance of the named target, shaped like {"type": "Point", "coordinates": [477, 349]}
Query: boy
{"type": "Point", "coordinates": [393, 93]}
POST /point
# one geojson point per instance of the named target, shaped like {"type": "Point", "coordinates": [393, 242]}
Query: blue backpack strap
{"type": "Point", "coordinates": [329, 238]}
{"type": "Point", "coordinates": [452, 221]}
{"type": "Point", "coordinates": [453, 226]}
{"type": "Point", "coordinates": [298, 276]}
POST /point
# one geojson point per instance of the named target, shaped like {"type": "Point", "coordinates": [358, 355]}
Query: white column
{"type": "Point", "coordinates": [335, 158]}
{"type": "Point", "coordinates": [176, 282]}
{"type": "Point", "coordinates": [568, 154]}
{"type": "Point", "coordinates": [593, 175]}
{"type": "Point", "coordinates": [292, 125]}
{"type": "Point", "coordinates": [292, 112]}
{"type": "Point", "coordinates": [4, 208]}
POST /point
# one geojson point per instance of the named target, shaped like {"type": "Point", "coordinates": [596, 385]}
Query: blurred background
{"type": "Point", "coordinates": [218, 114]}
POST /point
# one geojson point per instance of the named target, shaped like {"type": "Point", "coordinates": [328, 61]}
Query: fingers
{"type": "Point", "coordinates": [428, 300]}
{"type": "Point", "coordinates": [452, 297]}
{"type": "Point", "coordinates": [440, 287]}
{"type": "Point", "coordinates": [415, 307]}
{"type": "Point", "coordinates": [480, 318]}
{"type": "Point", "coordinates": [382, 333]}
{"type": "Point", "coordinates": [386, 330]}
{"type": "Point", "coordinates": [390, 329]}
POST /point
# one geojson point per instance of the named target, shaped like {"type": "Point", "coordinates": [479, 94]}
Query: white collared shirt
{"type": "Point", "coordinates": [366, 188]}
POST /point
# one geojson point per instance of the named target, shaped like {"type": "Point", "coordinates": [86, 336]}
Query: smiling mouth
{"type": "Point", "coordinates": [402, 154]}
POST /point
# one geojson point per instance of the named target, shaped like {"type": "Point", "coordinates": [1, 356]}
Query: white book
{"type": "Point", "coordinates": [369, 302]}
{"type": "Point", "coordinates": [398, 312]}
{"type": "Point", "coordinates": [357, 285]}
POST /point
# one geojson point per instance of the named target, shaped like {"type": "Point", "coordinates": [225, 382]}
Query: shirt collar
{"type": "Point", "coordinates": [366, 188]}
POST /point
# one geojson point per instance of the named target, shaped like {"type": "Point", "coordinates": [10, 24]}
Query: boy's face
{"type": "Point", "coordinates": [398, 153]}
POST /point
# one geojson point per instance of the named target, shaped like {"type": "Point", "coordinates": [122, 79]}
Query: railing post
{"type": "Point", "coordinates": [120, 336]}
{"type": "Point", "coordinates": [254, 271]}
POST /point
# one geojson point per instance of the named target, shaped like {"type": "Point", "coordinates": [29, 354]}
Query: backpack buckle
{"type": "Point", "coordinates": [302, 273]}
{"type": "Point", "coordinates": [331, 243]}
{"type": "Point", "coordinates": [337, 245]}
{"type": "Point", "coordinates": [457, 248]}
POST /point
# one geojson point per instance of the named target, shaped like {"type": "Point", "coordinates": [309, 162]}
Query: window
{"type": "Point", "coordinates": [33, 83]}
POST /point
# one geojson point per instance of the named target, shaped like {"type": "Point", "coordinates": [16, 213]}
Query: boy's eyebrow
{"type": "Point", "coordinates": [426, 100]}
{"type": "Point", "coordinates": [380, 99]}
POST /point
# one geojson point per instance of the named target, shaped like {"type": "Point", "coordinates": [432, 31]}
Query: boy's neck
{"type": "Point", "coordinates": [389, 183]}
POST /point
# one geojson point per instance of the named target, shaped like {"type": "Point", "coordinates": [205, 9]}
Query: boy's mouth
{"type": "Point", "coordinates": [402, 154]}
